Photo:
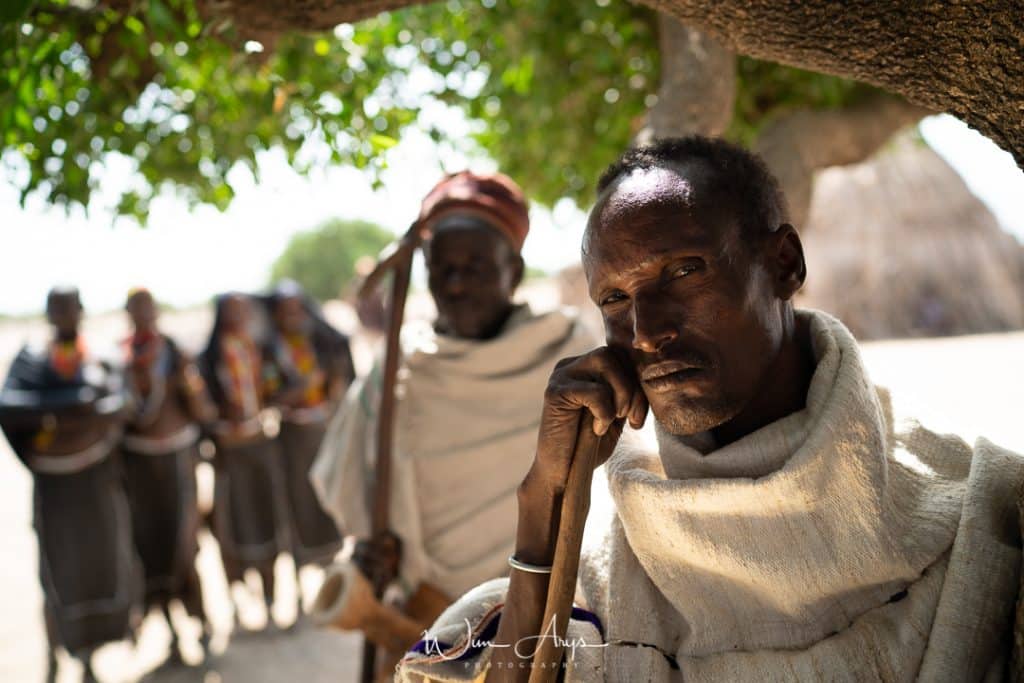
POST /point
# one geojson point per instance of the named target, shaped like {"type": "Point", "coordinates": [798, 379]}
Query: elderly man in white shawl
{"type": "Point", "coordinates": [469, 398]}
{"type": "Point", "coordinates": [778, 525]}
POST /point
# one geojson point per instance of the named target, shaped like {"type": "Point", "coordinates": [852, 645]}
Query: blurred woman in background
{"type": "Point", "coordinates": [307, 348]}
{"type": "Point", "coordinates": [161, 451]}
{"type": "Point", "coordinates": [248, 486]}
{"type": "Point", "coordinates": [62, 412]}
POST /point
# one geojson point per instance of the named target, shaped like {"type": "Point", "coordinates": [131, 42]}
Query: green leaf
{"type": "Point", "coordinates": [134, 25]}
{"type": "Point", "coordinates": [42, 50]}
{"type": "Point", "coordinates": [160, 17]}
{"type": "Point", "coordinates": [382, 142]}
{"type": "Point", "coordinates": [22, 118]}
{"type": "Point", "coordinates": [12, 10]}
{"type": "Point", "coordinates": [27, 91]}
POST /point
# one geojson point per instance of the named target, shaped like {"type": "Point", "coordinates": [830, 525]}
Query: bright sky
{"type": "Point", "coordinates": [186, 257]}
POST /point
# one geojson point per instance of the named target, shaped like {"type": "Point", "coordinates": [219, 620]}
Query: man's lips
{"type": "Point", "coordinates": [664, 368]}
{"type": "Point", "coordinates": [669, 374]}
{"type": "Point", "coordinates": [459, 304]}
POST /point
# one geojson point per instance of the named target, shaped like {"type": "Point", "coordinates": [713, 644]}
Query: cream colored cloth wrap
{"type": "Point", "coordinates": [828, 545]}
{"type": "Point", "coordinates": [465, 436]}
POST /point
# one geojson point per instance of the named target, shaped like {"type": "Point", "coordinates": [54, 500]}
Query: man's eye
{"type": "Point", "coordinates": [683, 271]}
{"type": "Point", "coordinates": [612, 298]}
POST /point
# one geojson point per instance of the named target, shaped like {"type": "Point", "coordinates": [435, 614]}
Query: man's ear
{"type": "Point", "coordinates": [787, 259]}
{"type": "Point", "coordinates": [518, 270]}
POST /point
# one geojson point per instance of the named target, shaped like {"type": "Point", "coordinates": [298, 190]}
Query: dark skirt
{"type": "Point", "coordinates": [165, 518]}
{"type": "Point", "coordinates": [313, 534]}
{"type": "Point", "coordinates": [91, 579]}
{"type": "Point", "coordinates": [247, 506]}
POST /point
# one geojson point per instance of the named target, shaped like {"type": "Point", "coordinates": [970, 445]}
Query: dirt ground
{"type": "Point", "coordinates": [971, 386]}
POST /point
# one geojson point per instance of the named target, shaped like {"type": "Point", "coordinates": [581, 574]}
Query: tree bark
{"type": "Point", "coordinates": [265, 17]}
{"type": "Point", "coordinates": [966, 58]}
{"type": "Point", "coordinates": [697, 92]}
{"type": "Point", "coordinates": [801, 142]}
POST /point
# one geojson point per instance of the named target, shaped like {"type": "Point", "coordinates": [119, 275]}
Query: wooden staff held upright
{"type": "Point", "coordinates": [397, 260]}
{"type": "Point", "coordinates": [548, 657]}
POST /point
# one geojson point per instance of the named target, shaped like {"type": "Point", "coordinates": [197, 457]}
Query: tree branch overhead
{"type": "Point", "coordinates": [965, 58]}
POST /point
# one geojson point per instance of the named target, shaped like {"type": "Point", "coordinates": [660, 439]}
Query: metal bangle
{"type": "Point", "coordinates": [528, 568]}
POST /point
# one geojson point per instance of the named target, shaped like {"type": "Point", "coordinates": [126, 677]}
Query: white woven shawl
{"type": "Point", "coordinates": [465, 435]}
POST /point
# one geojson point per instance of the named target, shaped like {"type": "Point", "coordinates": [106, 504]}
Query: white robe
{"type": "Point", "coordinates": [465, 436]}
{"type": "Point", "coordinates": [834, 544]}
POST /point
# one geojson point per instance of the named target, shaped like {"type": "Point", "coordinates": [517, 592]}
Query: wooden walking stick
{"type": "Point", "coordinates": [547, 658]}
{"type": "Point", "coordinates": [397, 260]}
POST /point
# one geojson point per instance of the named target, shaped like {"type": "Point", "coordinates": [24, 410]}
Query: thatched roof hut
{"type": "Point", "coordinates": [898, 246]}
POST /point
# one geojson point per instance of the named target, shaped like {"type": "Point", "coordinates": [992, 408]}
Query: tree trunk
{"type": "Point", "coordinates": [966, 58]}
{"type": "Point", "coordinates": [801, 142]}
{"type": "Point", "coordinates": [697, 95]}
{"type": "Point", "coordinates": [697, 92]}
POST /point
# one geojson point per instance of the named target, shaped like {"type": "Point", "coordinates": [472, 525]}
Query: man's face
{"type": "Point", "coordinates": [473, 272]}
{"type": "Point", "coordinates": [290, 315]}
{"type": "Point", "coordinates": [683, 298]}
{"type": "Point", "coordinates": [142, 311]}
{"type": "Point", "coordinates": [65, 313]}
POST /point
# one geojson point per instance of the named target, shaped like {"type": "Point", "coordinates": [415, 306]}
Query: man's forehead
{"type": "Point", "coordinates": [651, 185]}
{"type": "Point", "coordinates": [461, 221]}
{"type": "Point", "coordinates": [655, 198]}
{"type": "Point", "coordinates": [64, 299]}
{"type": "Point", "coordinates": [647, 191]}
{"type": "Point", "coordinates": [472, 231]}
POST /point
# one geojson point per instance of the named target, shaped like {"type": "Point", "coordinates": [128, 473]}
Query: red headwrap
{"type": "Point", "coordinates": [493, 197]}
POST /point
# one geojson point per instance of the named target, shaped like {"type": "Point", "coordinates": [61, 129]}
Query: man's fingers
{"type": "Point", "coordinates": [597, 397]}
{"type": "Point", "coordinates": [621, 382]}
{"type": "Point", "coordinates": [566, 361]}
{"type": "Point", "coordinates": [604, 365]}
{"type": "Point", "coordinates": [638, 409]}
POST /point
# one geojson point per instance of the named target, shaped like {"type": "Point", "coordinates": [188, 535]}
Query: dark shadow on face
{"type": "Point", "coordinates": [64, 311]}
{"type": "Point", "coordinates": [690, 303]}
{"type": "Point", "coordinates": [473, 271]}
{"type": "Point", "coordinates": [290, 316]}
{"type": "Point", "coordinates": [142, 311]}
{"type": "Point", "coordinates": [236, 314]}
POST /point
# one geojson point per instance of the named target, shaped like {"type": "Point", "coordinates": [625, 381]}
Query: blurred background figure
{"type": "Point", "coordinates": [304, 346]}
{"type": "Point", "coordinates": [161, 452]}
{"type": "Point", "coordinates": [470, 384]}
{"type": "Point", "coordinates": [247, 505]}
{"type": "Point", "coordinates": [62, 412]}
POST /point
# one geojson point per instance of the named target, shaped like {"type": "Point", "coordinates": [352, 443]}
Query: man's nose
{"type": "Point", "coordinates": [653, 327]}
{"type": "Point", "coordinates": [454, 283]}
